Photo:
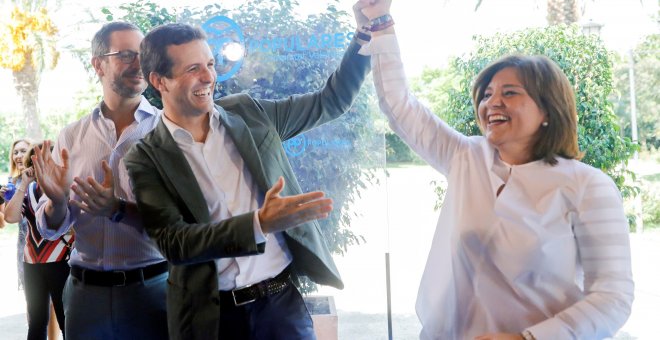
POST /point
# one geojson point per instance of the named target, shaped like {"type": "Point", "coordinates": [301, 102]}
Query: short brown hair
{"type": "Point", "coordinates": [548, 86]}
{"type": "Point", "coordinates": [101, 40]}
{"type": "Point", "coordinates": [153, 49]}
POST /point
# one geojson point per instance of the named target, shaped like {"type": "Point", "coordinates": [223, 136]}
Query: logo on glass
{"type": "Point", "coordinates": [295, 146]}
{"type": "Point", "coordinates": [227, 44]}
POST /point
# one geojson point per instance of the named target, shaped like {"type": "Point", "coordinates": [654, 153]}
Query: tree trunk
{"type": "Point", "coordinates": [563, 12]}
{"type": "Point", "coordinates": [26, 82]}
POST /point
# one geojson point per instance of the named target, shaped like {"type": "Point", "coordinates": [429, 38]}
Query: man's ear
{"type": "Point", "coordinates": [96, 64]}
{"type": "Point", "coordinates": [158, 82]}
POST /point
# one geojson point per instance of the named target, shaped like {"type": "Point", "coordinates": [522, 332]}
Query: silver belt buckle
{"type": "Point", "coordinates": [233, 294]}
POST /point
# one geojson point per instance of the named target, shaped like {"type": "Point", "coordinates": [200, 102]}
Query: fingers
{"type": "Point", "coordinates": [89, 188]}
{"type": "Point", "coordinates": [275, 190]}
{"type": "Point", "coordinates": [303, 212]}
{"type": "Point", "coordinates": [304, 198]}
{"type": "Point", "coordinates": [93, 197]}
{"type": "Point", "coordinates": [360, 4]}
{"type": "Point", "coordinates": [65, 157]}
{"type": "Point", "coordinates": [36, 163]}
{"type": "Point", "coordinates": [313, 210]}
{"type": "Point", "coordinates": [82, 206]}
{"type": "Point", "coordinates": [45, 152]}
{"type": "Point", "coordinates": [108, 180]}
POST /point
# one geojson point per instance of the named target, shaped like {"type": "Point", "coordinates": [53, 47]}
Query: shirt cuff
{"type": "Point", "coordinates": [259, 236]}
{"type": "Point", "coordinates": [386, 43]}
{"type": "Point", "coordinates": [54, 234]}
{"type": "Point", "coordinates": [550, 329]}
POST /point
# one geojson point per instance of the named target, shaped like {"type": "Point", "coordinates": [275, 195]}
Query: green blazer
{"type": "Point", "coordinates": [175, 214]}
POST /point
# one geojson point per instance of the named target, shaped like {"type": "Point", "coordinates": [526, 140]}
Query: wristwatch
{"type": "Point", "coordinates": [118, 215]}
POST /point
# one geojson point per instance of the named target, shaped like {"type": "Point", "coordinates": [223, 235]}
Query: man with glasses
{"type": "Point", "coordinates": [116, 289]}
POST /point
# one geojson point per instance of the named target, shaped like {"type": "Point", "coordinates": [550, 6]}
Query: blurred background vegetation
{"type": "Point", "coordinates": [600, 77]}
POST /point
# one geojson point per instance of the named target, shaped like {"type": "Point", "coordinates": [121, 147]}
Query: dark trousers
{"type": "Point", "coordinates": [44, 282]}
{"type": "Point", "coordinates": [282, 316]}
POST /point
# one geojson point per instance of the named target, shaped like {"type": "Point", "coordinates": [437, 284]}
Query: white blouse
{"type": "Point", "coordinates": [550, 254]}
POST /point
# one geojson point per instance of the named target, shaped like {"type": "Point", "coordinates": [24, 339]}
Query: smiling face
{"type": "Point", "coordinates": [18, 152]}
{"type": "Point", "coordinates": [509, 117]}
{"type": "Point", "coordinates": [189, 90]}
{"type": "Point", "coordinates": [125, 80]}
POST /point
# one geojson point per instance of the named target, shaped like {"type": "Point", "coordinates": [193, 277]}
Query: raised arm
{"type": "Point", "coordinates": [416, 124]}
{"type": "Point", "coordinates": [298, 113]}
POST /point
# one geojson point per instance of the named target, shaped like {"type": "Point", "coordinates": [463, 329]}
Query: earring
{"type": "Point", "coordinates": [544, 124]}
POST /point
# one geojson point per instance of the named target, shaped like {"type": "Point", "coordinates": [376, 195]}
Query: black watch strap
{"type": "Point", "coordinates": [118, 215]}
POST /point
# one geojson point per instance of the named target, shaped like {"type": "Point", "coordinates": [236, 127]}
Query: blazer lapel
{"type": "Point", "coordinates": [176, 168]}
{"type": "Point", "coordinates": [244, 141]}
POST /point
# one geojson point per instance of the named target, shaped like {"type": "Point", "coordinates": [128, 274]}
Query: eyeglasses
{"type": "Point", "coordinates": [126, 56]}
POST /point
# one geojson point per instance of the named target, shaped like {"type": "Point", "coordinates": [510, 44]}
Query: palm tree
{"type": "Point", "coordinates": [559, 11]}
{"type": "Point", "coordinates": [562, 12]}
{"type": "Point", "coordinates": [27, 47]}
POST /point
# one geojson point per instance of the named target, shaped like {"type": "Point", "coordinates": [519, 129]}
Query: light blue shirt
{"type": "Point", "coordinates": [100, 243]}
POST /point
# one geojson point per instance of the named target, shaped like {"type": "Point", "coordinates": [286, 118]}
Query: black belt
{"type": "Point", "coordinates": [253, 292]}
{"type": "Point", "coordinates": [117, 277]}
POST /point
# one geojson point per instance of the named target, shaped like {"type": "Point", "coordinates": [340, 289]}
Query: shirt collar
{"type": "Point", "coordinates": [143, 111]}
{"type": "Point", "coordinates": [182, 135]}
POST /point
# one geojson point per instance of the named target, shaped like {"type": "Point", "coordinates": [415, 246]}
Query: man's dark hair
{"type": "Point", "coordinates": [101, 40]}
{"type": "Point", "coordinates": [153, 50]}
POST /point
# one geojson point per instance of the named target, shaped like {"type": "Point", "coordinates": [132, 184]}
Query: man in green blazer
{"type": "Point", "coordinates": [218, 196]}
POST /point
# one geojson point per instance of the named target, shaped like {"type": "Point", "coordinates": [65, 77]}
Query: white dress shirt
{"type": "Point", "coordinates": [550, 254]}
{"type": "Point", "coordinates": [229, 190]}
{"type": "Point", "coordinates": [100, 243]}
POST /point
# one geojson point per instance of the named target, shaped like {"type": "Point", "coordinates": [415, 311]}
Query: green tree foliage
{"type": "Point", "coordinates": [341, 157]}
{"type": "Point", "coordinates": [646, 58]}
{"type": "Point", "coordinates": [587, 65]}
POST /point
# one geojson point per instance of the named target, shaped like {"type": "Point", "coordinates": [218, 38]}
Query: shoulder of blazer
{"type": "Point", "coordinates": [246, 108]}
{"type": "Point", "coordinates": [233, 101]}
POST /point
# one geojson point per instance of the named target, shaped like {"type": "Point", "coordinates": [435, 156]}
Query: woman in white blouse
{"type": "Point", "coordinates": [531, 243]}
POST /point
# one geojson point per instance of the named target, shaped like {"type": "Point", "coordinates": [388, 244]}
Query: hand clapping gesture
{"type": "Point", "coordinates": [279, 213]}
{"type": "Point", "coordinates": [96, 198]}
{"type": "Point", "coordinates": [54, 179]}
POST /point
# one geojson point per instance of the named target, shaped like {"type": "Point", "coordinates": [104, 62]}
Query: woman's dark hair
{"type": "Point", "coordinates": [548, 86]}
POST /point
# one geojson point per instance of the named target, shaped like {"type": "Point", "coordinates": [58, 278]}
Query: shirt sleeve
{"type": "Point", "coordinates": [259, 236]}
{"type": "Point", "coordinates": [42, 226]}
{"type": "Point", "coordinates": [417, 125]}
{"type": "Point", "coordinates": [601, 232]}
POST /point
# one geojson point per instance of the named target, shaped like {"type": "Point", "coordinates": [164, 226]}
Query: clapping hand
{"type": "Point", "coordinates": [96, 198]}
{"type": "Point", "coordinates": [53, 179]}
{"type": "Point", "coordinates": [279, 213]}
